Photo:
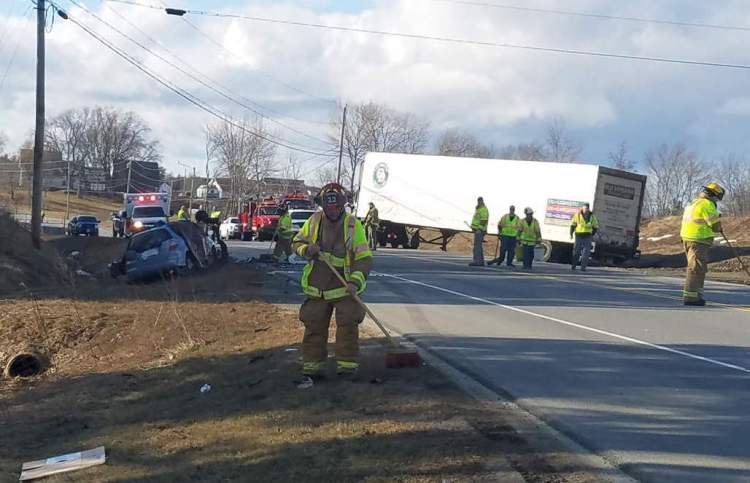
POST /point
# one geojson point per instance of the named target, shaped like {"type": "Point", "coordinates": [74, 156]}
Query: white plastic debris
{"type": "Point", "coordinates": [306, 383]}
{"type": "Point", "coordinates": [291, 349]}
{"type": "Point", "coordinates": [205, 388]}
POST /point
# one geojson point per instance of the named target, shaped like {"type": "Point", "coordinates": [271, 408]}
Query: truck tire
{"type": "Point", "coordinates": [414, 243]}
{"type": "Point", "coordinates": [549, 251]}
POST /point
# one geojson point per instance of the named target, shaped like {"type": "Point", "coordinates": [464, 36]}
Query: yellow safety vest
{"type": "Point", "coordinates": [698, 220]}
{"type": "Point", "coordinates": [530, 232]}
{"type": "Point", "coordinates": [508, 226]}
{"type": "Point", "coordinates": [285, 226]}
{"type": "Point", "coordinates": [583, 226]}
{"type": "Point", "coordinates": [182, 216]}
{"type": "Point", "coordinates": [357, 248]}
{"type": "Point", "coordinates": [481, 218]}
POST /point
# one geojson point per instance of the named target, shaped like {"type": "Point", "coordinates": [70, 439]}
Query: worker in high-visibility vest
{"type": "Point", "coordinates": [216, 214]}
{"type": "Point", "coordinates": [584, 226]}
{"type": "Point", "coordinates": [372, 221]}
{"type": "Point", "coordinates": [529, 236]}
{"type": "Point", "coordinates": [339, 238]}
{"type": "Point", "coordinates": [284, 234]}
{"type": "Point", "coordinates": [701, 221]}
{"type": "Point", "coordinates": [508, 229]}
{"type": "Point", "coordinates": [479, 227]}
{"type": "Point", "coordinates": [182, 214]}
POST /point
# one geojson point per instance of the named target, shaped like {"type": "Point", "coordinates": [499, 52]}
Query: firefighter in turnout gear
{"type": "Point", "coordinates": [284, 234]}
{"type": "Point", "coordinates": [529, 236]}
{"type": "Point", "coordinates": [372, 220]}
{"type": "Point", "coordinates": [338, 237]}
{"type": "Point", "coordinates": [701, 221]}
{"type": "Point", "coordinates": [479, 227]}
{"type": "Point", "coordinates": [584, 226]}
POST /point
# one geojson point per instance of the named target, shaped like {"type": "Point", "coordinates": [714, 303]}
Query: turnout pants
{"type": "Point", "coordinates": [316, 314]}
{"type": "Point", "coordinates": [582, 251]}
{"type": "Point", "coordinates": [478, 247]}
{"type": "Point", "coordinates": [507, 249]}
{"type": "Point", "coordinates": [697, 266]}
{"type": "Point", "coordinates": [283, 245]}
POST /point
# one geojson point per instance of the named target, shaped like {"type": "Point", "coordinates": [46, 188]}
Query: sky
{"type": "Point", "coordinates": [298, 76]}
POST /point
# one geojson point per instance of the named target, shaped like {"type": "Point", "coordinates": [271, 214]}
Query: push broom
{"type": "Point", "coordinates": [397, 356]}
{"type": "Point", "coordinates": [736, 254]}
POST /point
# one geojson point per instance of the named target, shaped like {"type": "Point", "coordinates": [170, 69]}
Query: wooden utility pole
{"type": "Point", "coordinates": [341, 146]}
{"type": "Point", "coordinates": [67, 195]}
{"type": "Point", "coordinates": [36, 197]}
{"type": "Point", "coordinates": [130, 172]}
{"type": "Point", "coordinates": [192, 187]}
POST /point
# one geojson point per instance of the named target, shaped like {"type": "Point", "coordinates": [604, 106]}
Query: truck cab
{"type": "Point", "coordinates": [265, 219]}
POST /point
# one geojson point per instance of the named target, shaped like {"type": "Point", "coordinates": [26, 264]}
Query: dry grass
{"type": "Point", "coordinates": [54, 204]}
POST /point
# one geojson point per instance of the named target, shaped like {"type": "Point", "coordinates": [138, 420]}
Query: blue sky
{"type": "Point", "coordinates": [501, 95]}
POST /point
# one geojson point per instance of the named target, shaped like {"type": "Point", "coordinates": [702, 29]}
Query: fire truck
{"type": "Point", "coordinates": [297, 201]}
{"type": "Point", "coordinates": [265, 219]}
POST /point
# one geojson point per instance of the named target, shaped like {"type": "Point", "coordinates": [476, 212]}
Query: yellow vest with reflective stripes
{"type": "Point", "coordinates": [583, 226]}
{"type": "Point", "coordinates": [285, 226]}
{"type": "Point", "coordinates": [697, 221]}
{"type": "Point", "coordinates": [508, 226]}
{"type": "Point", "coordinates": [529, 232]}
{"type": "Point", "coordinates": [481, 218]}
{"type": "Point", "coordinates": [357, 248]}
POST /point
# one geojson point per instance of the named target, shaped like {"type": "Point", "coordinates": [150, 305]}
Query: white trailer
{"type": "Point", "coordinates": [414, 192]}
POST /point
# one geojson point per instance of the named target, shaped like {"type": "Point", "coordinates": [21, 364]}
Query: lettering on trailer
{"type": "Point", "coordinates": [560, 212]}
{"type": "Point", "coordinates": [619, 191]}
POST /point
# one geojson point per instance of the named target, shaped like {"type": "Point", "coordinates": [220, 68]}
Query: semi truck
{"type": "Point", "coordinates": [430, 199]}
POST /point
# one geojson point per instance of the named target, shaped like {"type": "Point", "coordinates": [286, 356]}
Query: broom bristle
{"type": "Point", "coordinates": [402, 359]}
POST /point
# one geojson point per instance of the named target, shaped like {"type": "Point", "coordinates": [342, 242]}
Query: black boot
{"type": "Point", "coordinates": [695, 303]}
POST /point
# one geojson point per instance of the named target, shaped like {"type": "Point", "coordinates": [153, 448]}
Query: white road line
{"type": "Point", "coordinates": [573, 324]}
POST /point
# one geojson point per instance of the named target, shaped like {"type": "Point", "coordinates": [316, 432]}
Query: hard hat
{"type": "Point", "coordinates": [715, 190]}
{"type": "Point", "coordinates": [528, 211]}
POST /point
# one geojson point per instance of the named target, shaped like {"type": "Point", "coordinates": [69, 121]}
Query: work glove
{"type": "Point", "coordinates": [352, 288]}
{"type": "Point", "coordinates": [312, 251]}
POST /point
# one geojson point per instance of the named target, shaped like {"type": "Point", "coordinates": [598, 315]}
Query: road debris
{"type": "Point", "coordinates": [205, 388]}
{"type": "Point", "coordinates": [63, 464]}
{"type": "Point", "coordinates": [305, 383]}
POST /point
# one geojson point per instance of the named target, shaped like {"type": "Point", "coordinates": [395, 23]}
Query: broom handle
{"type": "Point", "coordinates": [359, 301]}
{"type": "Point", "coordinates": [736, 254]}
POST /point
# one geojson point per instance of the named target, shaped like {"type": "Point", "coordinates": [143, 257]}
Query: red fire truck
{"type": "Point", "coordinates": [265, 219]}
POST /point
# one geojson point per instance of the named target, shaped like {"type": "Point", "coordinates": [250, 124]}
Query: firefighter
{"type": "Point", "coordinates": [701, 221]}
{"type": "Point", "coordinates": [584, 225]}
{"type": "Point", "coordinates": [529, 236]}
{"type": "Point", "coordinates": [508, 229]}
{"type": "Point", "coordinates": [215, 213]}
{"type": "Point", "coordinates": [284, 234]}
{"type": "Point", "coordinates": [479, 227]}
{"type": "Point", "coordinates": [372, 220]}
{"type": "Point", "coordinates": [333, 235]}
{"type": "Point", "coordinates": [182, 215]}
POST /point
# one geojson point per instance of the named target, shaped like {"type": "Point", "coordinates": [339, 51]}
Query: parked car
{"type": "Point", "coordinates": [299, 217]}
{"type": "Point", "coordinates": [83, 225]}
{"type": "Point", "coordinates": [230, 228]}
{"type": "Point", "coordinates": [175, 248]}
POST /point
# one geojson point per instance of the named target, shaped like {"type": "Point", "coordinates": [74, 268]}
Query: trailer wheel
{"type": "Point", "coordinates": [414, 243]}
{"type": "Point", "coordinates": [549, 251]}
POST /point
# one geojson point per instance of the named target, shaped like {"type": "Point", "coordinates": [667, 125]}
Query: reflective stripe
{"type": "Point", "coordinates": [697, 221]}
{"type": "Point", "coordinates": [333, 260]}
{"type": "Point", "coordinates": [358, 277]}
{"type": "Point", "coordinates": [313, 368]}
{"type": "Point", "coordinates": [347, 366]}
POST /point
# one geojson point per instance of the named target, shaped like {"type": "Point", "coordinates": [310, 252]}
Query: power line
{"type": "Point", "coordinates": [221, 46]}
{"type": "Point", "coordinates": [448, 39]}
{"type": "Point", "coordinates": [181, 92]}
{"type": "Point", "coordinates": [595, 15]}
{"type": "Point", "coordinates": [193, 77]}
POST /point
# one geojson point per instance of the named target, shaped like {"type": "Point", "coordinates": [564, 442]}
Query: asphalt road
{"type": "Point", "coordinates": [610, 358]}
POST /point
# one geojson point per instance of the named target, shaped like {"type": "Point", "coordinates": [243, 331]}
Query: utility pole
{"type": "Point", "coordinates": [130, 172]}
{"type": "Point", "coordinates": [67, 195]}
{"type": "Point", "coordinates": [192, 187]}
{"type": "Point", "coordinates": [341, 146]}
{"type": "Point", "coordinates": [36, 199]}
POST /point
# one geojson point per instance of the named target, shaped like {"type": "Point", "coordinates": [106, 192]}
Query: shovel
{"type": "Point", "coordinates": [736, 254]}
{"type": "Point", "coordinates": [397, 356]}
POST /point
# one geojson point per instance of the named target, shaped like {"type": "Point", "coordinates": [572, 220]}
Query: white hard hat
{"type": "Point", "coordinates": [528, 211]}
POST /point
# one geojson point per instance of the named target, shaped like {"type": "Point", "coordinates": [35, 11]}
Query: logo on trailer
{"type": "Point", "coordinates": [380, 175]}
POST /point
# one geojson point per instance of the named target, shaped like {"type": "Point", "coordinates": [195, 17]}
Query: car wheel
{"type": "Point", "coordinates": [191, 265]}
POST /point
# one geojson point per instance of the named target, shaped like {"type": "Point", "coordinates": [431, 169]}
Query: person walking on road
{"type": "Point", "coordinates": [339, 238]}
{"type": "Point", "coordinates": [508, 229]}
{"type": "Point", "coordinates": [284, 234]}
{"type": "Point", "coordinates": [584, 225]}
{"type": "Point", "coordinates": [372, 220]}
{"type": "Point", "coordinates": [701, 221]}
{"type": "Point", "coordinates": [479, 227]}
{"type": "Point", "coordinates": [529, 236]}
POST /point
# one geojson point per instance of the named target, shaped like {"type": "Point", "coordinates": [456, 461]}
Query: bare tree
{"type": "Point", "coordinates": [373, 127]}
{"type": "Point", "coordinates": [619, 158]}
{"type": "Point", "coordinates": [675, 174]}
{"type": "Point", "coordinates": [292, 171]}
{"type": "Point", "coordinates": [560, 146]}
{"type": "Point", "coordinates": [3, 142]}
{"type": "Point", "coordinates": [532, 151]}
{"type": "Point", "coordinates": [454, 142]}
{"type": "Point", "coordinates": [245, 155]}
{"type": "Point", "coordinates": [734, 176]}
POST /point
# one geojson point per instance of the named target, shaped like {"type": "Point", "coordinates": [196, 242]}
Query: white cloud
{"type": "Point", "coordinates": [505, 94]}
